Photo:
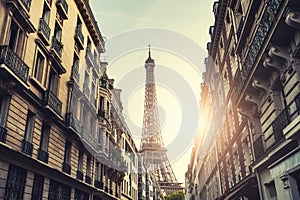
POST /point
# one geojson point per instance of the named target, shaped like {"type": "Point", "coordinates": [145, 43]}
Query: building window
{"type": "Point", "coordinates": [4, 106]}
{"type": "Point", "coordinates": [15, 183]}
{"type": "Point", "coordinates": [27, 146]}
{"type": "Point", "coordinates": [44, 142]}
{"type": "Point", "coordinates": [80, 195]}
{"type": "Point", "coordinates": [97, 175]}
{"type": "Point", "coordinates": [75, 69]}
{"type": "Point", "coordinates": [88, 171]}
{"type": "Point", "coordinates": [46, 13]}
{"type": "Point", "coordinates": [79, 174]}
{"type": "Point", "coordinates": [39, 67]}
{"type": "Point", "coordinates": [80, 161]}
{"type": "Point", "coordinates": [57, 32]}
{"type": "Point", "coordinates": [101, 103]}
{"type": "Point", "coordinates": [107, 108]}
{"type": "Point", "coordinates": [29, 126]}
{"type": "Point", "coordinates": [45, 137]}
{"type": "Point", "coordinates": [271, 190]}
{"type": "Point", "coordinates": [53, 82]}
{"type": "Point", "coordinates": [37, 189]}
{"type": "Point", "coordinates": [59, 191]}
{"type": "Point", "coordinates": [16, 38]}
{"type": "Point", "coordinates": [67, 157]}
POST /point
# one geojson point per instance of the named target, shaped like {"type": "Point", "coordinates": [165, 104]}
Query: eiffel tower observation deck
{"type": "Point", "coordinates": [152, 146]}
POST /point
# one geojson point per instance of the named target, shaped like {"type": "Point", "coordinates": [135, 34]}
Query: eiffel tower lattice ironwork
{"type": "Point", "coordinates": [152, 147]}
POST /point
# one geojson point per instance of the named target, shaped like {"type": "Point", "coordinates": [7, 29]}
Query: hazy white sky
{"type": "Point", "coordinates": [178, 33]}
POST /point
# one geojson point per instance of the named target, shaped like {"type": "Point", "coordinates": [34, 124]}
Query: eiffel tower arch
{"type": "Point", "coordinates": [152, 148]}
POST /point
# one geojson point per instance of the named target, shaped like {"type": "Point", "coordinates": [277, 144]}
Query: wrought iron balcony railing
{"type": "Point", "coordinates": [73, 122]}
{"type": "Point", "coordinates": [75, 72]}
{"type": "Point", "coordinates": [27, 147]}
{"type": "Point", "coordinates": [26, 4]}
{"type": "Point", "coordinates": [53, 102]}
{"type": "Point", "coordinates": [43, 155]}
{"type": "Point", "coordinates": [98, 184]}
{"type": "Point", "coordinates": [258, 148]}
{"type": "Point", "coordinates": [3, 133]}
{"type": "Point", "coordinates": [44, 29]}
{"type": "Point", "coordinates": [63, 8]}
{"type": "Point", "coordinates": [66, 168]}
{"type": "Point", "coordinates": [280, 123]}
{"type": "Point", "coordinates": [86, 90]}
{"type": "Point", "coordinates": [79, 37]}
{"type": "Point", "coordinates": [57, 46]}
{"type": "Point", "coordinates": [88, 179]}
{"type": "Point", "coordinates": [259, 37]}
{"type": "Point", "coordinates": [14, 63]}
{"type": "Point", "coordinates": [89, 138]}
{"type": "Point", "coordinates": [79, 175]}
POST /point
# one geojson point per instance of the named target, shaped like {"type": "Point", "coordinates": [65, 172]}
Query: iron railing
{"type": "Point", "coordinates": [280, 123]}
{"type": "Point", "coordinates": [53, 102]}
{"type": "Point", "coordinates": [26, 4]}
{"type": "Point", "coordinates": [57, 46]}
{"type": "Point", "coordinates": [79, 175]}
{"type": "Point", "coordinates": [3, 133]}
{"type": "Point", "coordinates": [14, 63]}
{"type": "Point", "coordinates": [64, 5]}
{"type": "Point", "coordinates": [66, 168]}
{"type": "Point", "coordinates": [79, 35]}
{"type": "Point", "coordinates": [27, 147]}
{"type": "Point", "coordinates": [44, 28]}
{"type": "Point", "coordinates": [43, 155]}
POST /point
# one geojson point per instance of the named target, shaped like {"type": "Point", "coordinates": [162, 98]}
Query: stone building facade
{"type": "Point", "coordinates": [62, 134]}
{"type": "Point", "coordinates": [250, 148]}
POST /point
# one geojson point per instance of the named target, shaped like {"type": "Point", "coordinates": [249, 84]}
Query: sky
{"type": "Point", "coordinates": [178, 33]}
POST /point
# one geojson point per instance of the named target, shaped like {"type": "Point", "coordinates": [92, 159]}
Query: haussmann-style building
{"type": "Point", "coordinates": [62, 131]}
{"type": "Point", "coordinates": [248, 142]}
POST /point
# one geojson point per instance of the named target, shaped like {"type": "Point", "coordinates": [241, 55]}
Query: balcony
{"type": "Point", "coordinates": [62, 8]}
{"type": "Point", "coordinates": [88, 138]}
{"type": "Point", "coordinates": [106, 189]}
{"type": "Point", "coordinates": [73, 122]}
{"type": "Point", "coordinates": [258, 148]}
{"type": "Point", "coordinates": [88, 179]}
{"type": "Point", "coordinates": [43, 155]}
{"type": "Point", "coordinates": [79, 175]}
{"type": "Point", "coordinates": [281, 121]}
{"type": "Point", "coordinates": [13, 64]}
{"type": "Point", "coordinates": [260, 35]}
{"type": "Point", "coordinates": [52, 102]}
{"type": "Point", "coordinates": [44, 31]}
{"type": "Point", "coordinates": [66, 168]}
{"type": "Point", "coordinates": [75, 72]}
{"type": "Point", "coordinates": [98, 184]}
{"type": "Point", "coordinates": [3, 133]}
{"type": "Point", "coordinates": [27, 147]}
{"type": "Point", "coordinates": [79, 38]}
{"type": "Point", "coordinates": [57, 46]}
{"type": "Point", "coordinates": [23, 3]}
{"type": "Point", "coordinates": [86, 90]}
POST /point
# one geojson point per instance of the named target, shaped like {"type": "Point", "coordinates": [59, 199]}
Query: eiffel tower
{"type": "Point", "coordinates": [152, 146]}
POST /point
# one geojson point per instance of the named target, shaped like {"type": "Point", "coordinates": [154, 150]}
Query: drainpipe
{"type": "Point", "coordinates": [259, 186]}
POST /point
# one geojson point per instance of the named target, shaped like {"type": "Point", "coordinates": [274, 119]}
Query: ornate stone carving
{"type": "Point", "coordinates": [293, 19]}
{"type": "Point", "coordinates": [261, 84]}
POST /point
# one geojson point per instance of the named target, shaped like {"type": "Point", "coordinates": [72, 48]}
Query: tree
{"type": "Point", "coordinates": [175, 196]}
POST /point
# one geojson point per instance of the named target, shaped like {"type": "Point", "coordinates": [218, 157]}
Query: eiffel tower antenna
{"type": "Point", "coordinates": [152, 147]}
